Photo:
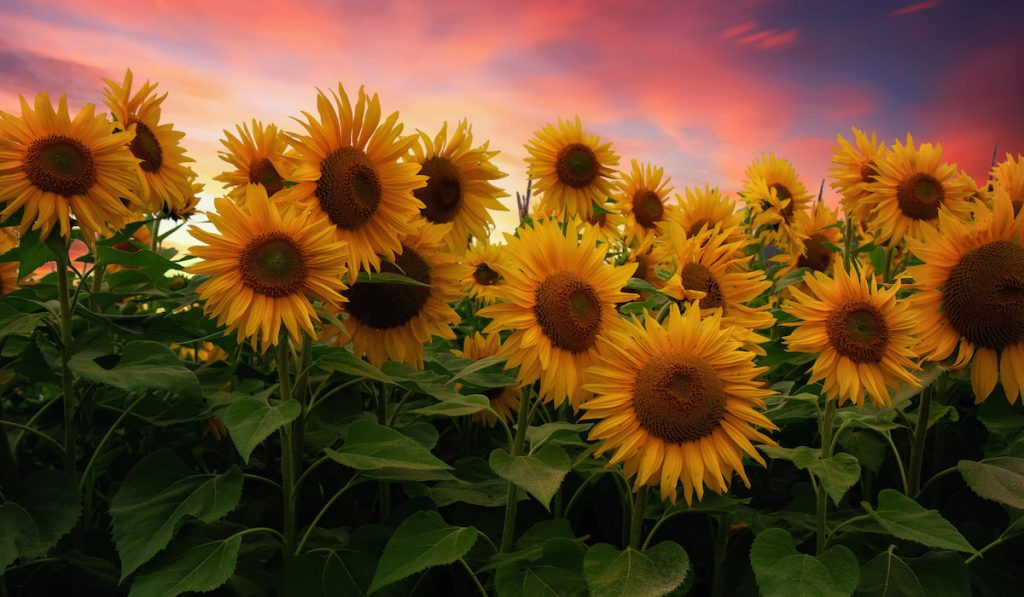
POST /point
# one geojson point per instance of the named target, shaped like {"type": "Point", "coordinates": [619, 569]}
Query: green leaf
{"type": "Point", "coordinates": [557, 431]}
{"type": "Point", "coordinates": [478, 365]}
{"type": "Point", "coordinates": [540, 473]}
{"type": "Point", "coordinates": [489, 494]}
{"type": "Point", "coordinates": [369, 446]}
{"type": "Point", "coordinates": [189, 566]}
{"type": "Point", "coordinates": [641, 285]}
{"type": "Point", "coordinates": [250, 421]}
{"type": "Point", "coordinates": [144, 365]}
{"type": "Point", "coordinates": [31, 252]}
{"type": "Point", "coordinates": [869, 448]}
{"type": "Point", "coordinates": [886, 575]}
{"type": "Point", "coordinates": [422, 541]}
{"type": "Point", "coordinates": [340, 572]}
{"type": "Point", "coordinates": [649, 573]}
{"type": "Point", "coordinates": [904, 518]}
{"type": "Point", "coordinates": [159, 494]}
{"type": "Point", "coordinates": [837, 473]}
{"type": "Point", "coordinates": [781, 571]}
{"type": "Point", "coordinates": [18, 533]}
{"type": "Point", "coordinates": [558, 572]}
{"type": "Point", "coordinates": [387, 278]}
{"type": "Point", "coordinates": [48, 507]}
{"type": "Point", "coordinates": [456, 406]}
{"type": "Point", "coordinates": [942, 574]}
{"type": "Point", "coordinates": [997, 479]}
{"type": "Point", "coordinates": [142, 258]}
{"type": "Point", "coordinates": [343, 361]}
{"type": "Point", "coordinates": [20, 324]}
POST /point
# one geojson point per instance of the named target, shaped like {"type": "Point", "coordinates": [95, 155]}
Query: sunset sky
{"type": "Point", "coordinates": [698, 86]}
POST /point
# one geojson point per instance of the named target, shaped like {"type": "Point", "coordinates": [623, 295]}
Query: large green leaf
{"type": "Point", "coordinates": [18, 533]}
{"type": "Point", "coordinates": [144, 365]}
{"type": "Point", "coordinates": [941, 574]}
{"type": "Point", "coordinates": [190, 564]}
{"type": "Point", "coordinates": [456, 406]}
{"type": "Point", "coordinates": [343, 361]}
{"type": "Point", "coordinates": [422, 541]}
{"type": "Point", "coordinates": [997, 479]}
{"type": "Point", "coordinates": [370, 446]}
{"type": "Point", "coordinates": [781, 571]}
{"type": "Point", "coordinates": [558, 431]}
{"type": "Point", "coordinates": [19, 324]}
{"type": "Point", "coordinates": [540, 473]}
{"type": "Point", "coordinates": [904, 518]}
{"type": "Point", "coordinates": [557, 572]}
{"type": "Point", "coordinates": [633, 573]}
{"type": "Point", "coordinates": [48, 507]}
{"type": "Point", "coordinates": [251, 420]}
{"type": "Point", "coordinates": [837, 473]}
{"type": "Point", "coordinates": [156, 498]}
{"type": "Point", "coordinates": [31, 253]}
{"type": "Point", "coordinates": [141, 258]}
{"type": "Point", "coordinates": [336, 572]}
{"type": "Point", "coordinates": [886, 575]}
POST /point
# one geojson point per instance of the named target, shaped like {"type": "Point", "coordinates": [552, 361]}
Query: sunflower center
{"type": "Point", "coordinates": [648, 208]}
{"type": "Point", "coordinates": [920, 196]}
{"type": "Point", "coordinates": [349, 189]}
{"type": "Point", "coordinates": [273, 265]}
{"type": "Point", "coordinates": [696, 227]}
{"type": "Point", "coordinates": [642, 267]}
{"type": "Point", "coordinates": [60, 164]}
{"type": "Point", "coordinates": [576, 165]}
{"type": "Point", "coordinates": [597, 219]}
{"type": "Point", "coordinates": [385, 306]}
{"type": "Point", "coordinates": [485, 276]}
{"type": "Point", "coordinates": [443, 194]}
{"type": "Point", "coordinates": [678, 398]}
{"type": "Point", "coordinates": [857, 330]}
{"type": "Point", "coordinates": [868, 172]}
{"type": "Point", "coordinates": [568, 310]}
{"type": "Point", "coordinates": [983, 298]}
{"type": "Point", "coordinates": [783, 194]}
{"type": "Point", "coordinates": [263, 172]}
{"type": "Point", "coordinates": [146, 147]}
{"type": "Point", "coordinates": [817, 256]}
{"type": "Point", "coordinates": [697, 277]}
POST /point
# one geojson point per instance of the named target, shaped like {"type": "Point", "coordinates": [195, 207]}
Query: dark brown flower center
{"type": "Point", "coordinates": [443, 194]}
{"type": "Point", "coordinates": [485, 276]}
{"type": "Point", "coordinates": [697, 277]}
{"type": "Point", "coordinates": [390, 305]}
{"type": "Point", "coordinates": [868, 172]}
{"type": "Point", "coordinates": [857, 330]}
{"type": "Point", "coordinates": [983, 298]}
{"type": "Point", "coordinates": [816, 255]}
{"type": "Point", "coordinates": [648, 208]}
{"type": "Point", "coordinates": [262, 172]}
{"type": "Point", "coordinates": [642, 267]}
{"type": "Point", "coordinates": [349, 189]}
{"type": "Point", "coordinates": [783, 194]}
{"type": "Point", "coordinates": [597, 219]}
{"type": "Point", "coordinates": [576, 165]}
{"type": "Point", "coordinates": [678, 398]}
{"type": "Point", "coordinates": [697, 226]}
{"type": "Point", "coordinates": [920, 196]}
{"type": "Point", "coordinates": [272, 264]}
{"type": "Point", "coordinates": [146, 147]}
{"type": "Point", "coordinates": [60, 164]}
{"type": "Point", "coordinates": [568, 310]}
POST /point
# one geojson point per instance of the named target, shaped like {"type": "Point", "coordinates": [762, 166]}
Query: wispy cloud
{"type": "Point", "coordinates": [915, 7]}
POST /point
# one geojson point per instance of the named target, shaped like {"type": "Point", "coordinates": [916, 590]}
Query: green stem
{"type": "Point", "coordinates": [28, 427]}
{"type": "Point", "coordinates": [576, 494]}
{"type": "Point", "coordinates": [154, 241]}
{"type": "Point", "coordinates": [887, 272]}
{"type": "Point", "coordinates": [664, 518]}
{"type": "Point", "coordinates": [832, 534]}
{"type": "Point", "coordinates": [97, 285]}
{"type": "Point", "coordinates": [899, 461]}
{"type": "Point", "coordinates": [997, 542]}
{"type": "Point", "coordinates": [68, 389]}
{"type": "Point", "coordinates": [936, 477]}
{"type": "Point", "coordinates": [383, 488]}
{"type": "Point", "coordinates": [35, 432]}
{"type": "Point", "coordinates": [476, 581]}
{"type": "Point", "coordinates": [284, 359]}
{"type": "Point", "coordinates": [848, 242]}
{"type": "Point", "coordinates": [721, 550]}
{"type": "Point", "coordinates": [512, 496]}
{"type": "Point", "coordinates": [917, 448]}
{"type": "Point", "coordinates": [636, 518]}
{"type": "Point", "coordinates": [103, 441]}
{"type": "Point", "coordinates": [826, 452]}
{"type": "Point", "coordinates": [8, 466]}
{"type": "Point", "coordinates": [323, 511]}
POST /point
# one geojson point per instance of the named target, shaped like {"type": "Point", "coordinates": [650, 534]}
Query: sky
{"type": "Point", "coordinates": [700, 87]}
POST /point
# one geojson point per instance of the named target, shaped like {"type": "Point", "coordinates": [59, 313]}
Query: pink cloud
{"type": "Point", "coordinates": [912, 8]}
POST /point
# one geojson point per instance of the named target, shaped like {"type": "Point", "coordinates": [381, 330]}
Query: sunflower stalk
{"type": "Point", "coordinates": [721, 551]}
{"type": "Point", "coordinates": [826, 452]}
{"type": "Point", "coordinates": [920, 435]}
{"type": "Point", "coordinates": [67, 381]}
{"type": "Point", "coordinates": [512, 497]}
{"type": "Point", "coordinates": [636, 519]}
{"type": "Point", "coordinates": [383, 488]}
{"type": "Point", "coordinates": [287, 447]}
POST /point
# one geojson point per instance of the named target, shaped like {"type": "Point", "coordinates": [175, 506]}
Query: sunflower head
{"type": "Point", "coordinates": [703, 209]}
{"type": "Point", "coordinates": [257, 156]}
{"type": "Point", "coordinates": [854, 166]}
{"type": "Point", "coordinates": [643, 199]}
{"type": "Point", "coordinates": [483, 280]}
{"type": "Point", "coordinates": [821, 234]}
{"type": "Point", "coordinates": [504, 401]}
{"type": "Point", "coordinates": [607, 223]}
{"type": "Point", "coordinates": [1009, 175]}
{"type": "Point", "coordinates": [775, 196]}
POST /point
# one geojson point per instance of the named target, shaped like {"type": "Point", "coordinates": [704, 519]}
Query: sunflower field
{"type": "Point", "coordinates": [352, 384]}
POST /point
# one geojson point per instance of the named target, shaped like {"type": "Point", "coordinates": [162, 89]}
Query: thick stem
{"type": "Point", "coordinates": [721, 550]}
{"type": "Point", "coordinates": [383, 487]}
{"type": "Point", "coordinates": [8, 466]}
{"type": "Point", "coordinates": [64, 296]}
{"type": "Point", "coordinates": [826, 452]}
{"type": "Point", "coordinates": [917, 448]}
{"type": "Point", "coordinates": [636, 519]}
{"type": "Point", "coordinates": [512, 497]}
{"type": "Point", "coordinates": [154, 241]}
{"type": "Point", "coordinates": [287, 448]}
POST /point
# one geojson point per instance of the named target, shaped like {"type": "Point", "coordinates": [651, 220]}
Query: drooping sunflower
{"type": "Point", "coordinates": [570, 169]}
{"type": "Point", "coordinates": [677, 402]}
{"type": "Point", "coordinates": [713, 272]}
{"type": "Point", "coordinates": [820, 230]}
{"type": "Point", "coordinates": [53, 167]}
{"type": "Point", "coordinates": [504, 401]}
{"type": "Point", "coordinates": [482, 278]}
{"type": "Point", "coordinates": [775, 196]}
{"type": "Point", "coordinates": [560, 298]}
{"type": "Point", "coordinates": [163, 177]}
{"type": "Point", "coordinates": [201, 352]}
{"type": "Point", "coordinates": [970, 297]}
{"type": "Point", "coordinates": [863, 336]}
{"type": "Point", "coordinates": [263, 267]}
{"type": "Point", "coordinates": [704, 208]}
{"type": "Point", "coordinates": [393, 321]}
{"type": "Point", "coordinates": [911, 188]}
{"type": "Point", "coordinates": [608, 224]}
{"type": "Point", "coordinates": [1009, 174]}
{"type": "Point", "coordinates": [190, 202]}
{"type": "Point", "coordinates": [348, 169]}
{"type": "Point", "coordinates": [459, 189]}
{"type": "Point", "coordinates": [643, 199]}
{"type": "Point", "coordinates": [855, 165]}
{"type": "Point", "coordinates": [257, 156]}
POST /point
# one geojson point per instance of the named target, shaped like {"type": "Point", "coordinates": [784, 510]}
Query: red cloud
{"type": "Point", "coordinates": [912, 8]}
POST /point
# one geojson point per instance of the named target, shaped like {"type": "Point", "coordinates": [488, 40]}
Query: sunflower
{"type": "Point", "coordinates": [51, 165]}
{"type": "Point", "coordinates": [482, 280]}
{"type": "Point", "coordinates": [649, 259]}
{"type": "Point", "coordinates": [163, 177]}
{"type": "Point", "coordinates": [561, 298]}
{"type": "Point", "coordinates": [911, 189]}
{"type": "Point", "coordinates": [348, 169]}
{"type": "Point", "coordinates": [190, 201]}
{"type": "Point", "coordinates": [264, 265]}
{"type": "Point", "coordinates": [459, 188]}
{"type": "Point", "coordinates": [570, 168]}
{"type": "Point", "coordinates": [775, 196]}
{"type": "Point", "coordinates": [393, 321]}
{"type": "Point", "coordinates": [704, 208]}
{"type": "Point", "coordinates": [643, 200]}
{"type": "Point", "coordinates": [862, 334]}
{"type": "Point", "coordinates": [1009, 174]}
{"type": "Point", "coordinates": [607, 223]}
{"type": "Point", "coordinates": [971, 293]}
{"type": "Point", "coordinates": [678, 401]}
{"type": "Point", "coordinates": [819, 227]}
{"type": "Point", "coordinates": [855, 165]}
{"type": "Point", "coordinates": [712, 271]}
{"type": "Point", "coordinates": [257, 155]}
{"type": "Point", "coordinates": [205, 352]}
{"type": "Point", "coordinates": [8, 269]}
{"type": "Point", "coordinates": [504, 401]}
